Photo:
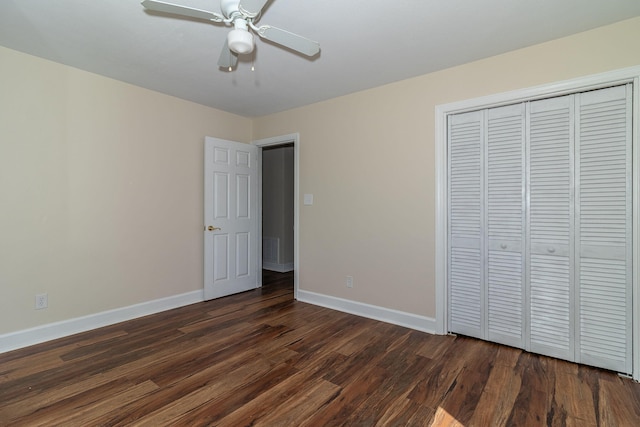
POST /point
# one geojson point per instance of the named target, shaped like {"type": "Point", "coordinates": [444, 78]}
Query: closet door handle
{"type": "Point", "coordinates": [503, 245]}
{"type": "Point", "coordinates": [551, 250]}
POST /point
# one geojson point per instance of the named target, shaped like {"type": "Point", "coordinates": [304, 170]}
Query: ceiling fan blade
{"type": "Point", "coordinates": [292, 41]}
{"type": "Point", "coordinates": [252, 7]}
{"type": "Point", "coordinates": [227, 58]}
{"type": "Point", "coordinates": [160, 6]}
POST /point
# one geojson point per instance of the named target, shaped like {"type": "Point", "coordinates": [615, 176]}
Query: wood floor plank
{"type": "Point", "coordinates": [462, 400]}
{"type": "Point", "coordinates": [186, 366]}
{"type": "Point", "coordinates": [31, 398]}
{"type": "Point", "coordinates": [264, 403]}
{"type": "Point", "coordinates": [224, 404]}
{"type": "Point", "coordinates": [434, 346]}
{"type": "Point", "coordinates": [261, 358]}
{"type": "Point", "coordinates": [496, 402]}
{"type": "Point", "coordinates": [440, 378]}
{"type": "Point", "coordinates": [205, 377]}
{"type": "Point", "coordinates": [253, 368]}
{"type": "Point", "coordinates": [405, 412]}
{"type": "Point", "coordinates": [533, 403]}
{"type": "Point", "coordinates": [616, 404]}
{"type": "Point", "coordinates": [84, 407]}
{"type": "Point", "coordinates": [576, 400]}
{"type": "Point", "coordinates": [313, 396]}
{"type": "Point", "coordinates": [402, 371]}
{"type": "Point", "coordinates": [445, 419]}
{"type": "Point", "coordinates": [46, 360]}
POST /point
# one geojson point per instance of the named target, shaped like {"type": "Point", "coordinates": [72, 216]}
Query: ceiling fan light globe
{"type": "Point", "coordinates": [240, 41]}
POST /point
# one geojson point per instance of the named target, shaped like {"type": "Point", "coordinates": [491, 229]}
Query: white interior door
{"type": "Point", "coordinates": [231, 215]}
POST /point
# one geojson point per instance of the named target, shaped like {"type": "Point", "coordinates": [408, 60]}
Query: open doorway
{"type": "Point", "coordinates": [279, 188]}
{"type": "Point", "coordinates": [277, 208]}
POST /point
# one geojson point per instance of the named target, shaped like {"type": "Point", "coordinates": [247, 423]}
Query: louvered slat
{"type": "Point", "coordinates": [505, 224]}
{"type": "Point", "coordinates": [505, 297]}
{"type": "Point", "coordinates": [465, 181]}
{"type": "Point", "coordinates": [465, 278]}
{"type": "Point", "coordinates": [550, 305]}
{"type": "Point", "coordinates": [465, 224]}
{"type": "Point", "coordinates": [603, 317]}
{"type": "Point", "coordinates": [603, 224]}
{"type": "Point", "coordinates": [550, 226]}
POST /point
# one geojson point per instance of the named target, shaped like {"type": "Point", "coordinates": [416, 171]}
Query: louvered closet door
{"type": "Point", "coordinates": [505, 224]}
{"type": "Point", "coordinates": [603, 223]}
{"type": "Point", "coordinates": [466, 281]}
{"type": "Point", "coordinates": [550, 235]}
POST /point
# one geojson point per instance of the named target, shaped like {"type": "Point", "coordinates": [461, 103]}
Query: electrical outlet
{"type": "Point", "coordinates": [42, 301]}
{"type": "Point", "coordinates": [349, 281]}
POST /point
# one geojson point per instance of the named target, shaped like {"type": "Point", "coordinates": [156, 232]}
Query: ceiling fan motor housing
{"type": "Point", "coordinates": [229, 7]}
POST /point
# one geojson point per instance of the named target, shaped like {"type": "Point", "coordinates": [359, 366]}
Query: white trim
{"type": "Point", "coordinates": [280, 268]}
{"type": "Point", "coordinates": [279, 140]}
{"type": "Point", "coordinates": [395, 317]}
{"type": "Point", "coordinates": [580, 84]}
{"type": "Point", "coordinates": [260, 264]}
{"type": "Point", "coordinates": [635, 239]}
{"type": "Point", "coordinates": [442, 222]}
{"type": "Point", "coordinates": [51, 331]}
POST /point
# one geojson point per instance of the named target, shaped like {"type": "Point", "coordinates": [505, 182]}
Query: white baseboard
{"type": "Point", "coordinates": [51, 331]}
{"type": "Point", "coordinates": [400, 318]}
{"type": "Point", "coordinates": [280, 268]}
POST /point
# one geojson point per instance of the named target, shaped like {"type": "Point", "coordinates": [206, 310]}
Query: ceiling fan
{"type": "Point", "coordinates": [242, 15]}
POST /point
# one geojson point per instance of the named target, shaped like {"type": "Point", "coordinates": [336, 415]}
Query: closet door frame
{"type": "Point", "coordinates": [617, 77]}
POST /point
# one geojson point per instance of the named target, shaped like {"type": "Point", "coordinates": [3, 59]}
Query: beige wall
{"type": "Point", "coordinates": [368, 158]}
{"type": "Point", "coordinates": [100, 191]}
{"type": "Point", "coordinates": [101, 182]}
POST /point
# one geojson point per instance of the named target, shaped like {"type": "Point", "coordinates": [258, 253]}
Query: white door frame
{"type": "Point", "coordinates": [597, 81]}
{"type": "Point", "coordinates": [280, 140]}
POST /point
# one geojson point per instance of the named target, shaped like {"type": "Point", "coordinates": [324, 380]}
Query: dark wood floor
{"type": "Point", "coordinates": [261, 358]}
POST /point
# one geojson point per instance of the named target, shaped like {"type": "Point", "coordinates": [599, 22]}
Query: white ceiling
{"type": "Point", "coordinates": [364, 43]}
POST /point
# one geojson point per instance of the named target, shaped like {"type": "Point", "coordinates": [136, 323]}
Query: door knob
{"type": "Point", "coordinates": [212, 228]}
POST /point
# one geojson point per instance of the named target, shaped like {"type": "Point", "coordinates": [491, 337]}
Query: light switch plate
{"type": "Point", "coordinates": [308, 199]}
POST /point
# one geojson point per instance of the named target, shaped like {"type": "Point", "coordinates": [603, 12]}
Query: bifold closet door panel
{"type": "Point", "coordinates": [466, 213]}
{"type": "Point", "coordinates": [505, 224]}
{"type": "Point", "coordinates": [603, 223]}
{"type": "Point", "coordinates": [550, 231]}
{"type": "Point", "coordinates": [540, 226]}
